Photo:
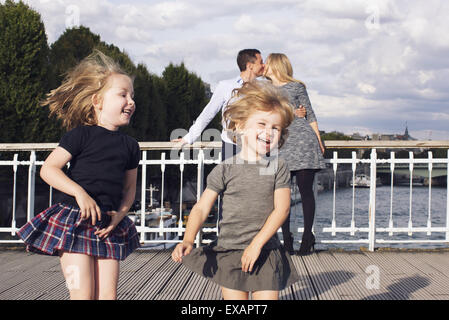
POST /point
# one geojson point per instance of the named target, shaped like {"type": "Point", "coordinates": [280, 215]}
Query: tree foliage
{"type": "Point", "coordinates": [24, 70]}
{"type": "Point", "coordinates": [30, 68]}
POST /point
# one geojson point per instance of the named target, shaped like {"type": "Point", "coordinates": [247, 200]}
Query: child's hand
{"type": "Point", "coordinates": [300, 112]}
{"type": "Point", "coordinates": [249, 257]}
{"type": "Point", "coordinates": [88, 207]}
{"type": "Point", "coordinates": [115, 220]}
{"type": "Point", "coordinates": [182, 249]}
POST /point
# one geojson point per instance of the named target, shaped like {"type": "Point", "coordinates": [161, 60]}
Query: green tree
{"type": "Point", "coordinates": [77, 43]}
{"type": "Point", "coordinates": [24, 72]}
{"type": "Point", "coordinates": [176, 96]}
{"type": "Point", "coordinates": [69, 49]}
{"type": "Point", "coordinates": [335, 135]}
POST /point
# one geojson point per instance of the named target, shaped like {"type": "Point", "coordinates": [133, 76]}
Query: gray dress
{"type": "Point", "coordinates": [302, 148]}
{"type": "Point", "coordinates": [248, 200]}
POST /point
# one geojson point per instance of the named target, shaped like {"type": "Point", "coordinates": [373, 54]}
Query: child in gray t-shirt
{"type": "Point", "coordinates": [256, 200]}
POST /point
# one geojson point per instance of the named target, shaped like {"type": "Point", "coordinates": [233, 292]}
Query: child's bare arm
{"type": "Point", "coordinates": [197, 216]}
{"type": "Point", "coordinates": [51, 172]}
{"type": "Point", "coordinates": [271, 226]}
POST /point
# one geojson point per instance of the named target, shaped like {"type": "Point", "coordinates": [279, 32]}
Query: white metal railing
{"type": "Point", "coordinates": [200, 160]}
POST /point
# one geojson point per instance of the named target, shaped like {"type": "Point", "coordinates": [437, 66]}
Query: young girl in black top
{"type": "Point", "coordinates": [89, 229]}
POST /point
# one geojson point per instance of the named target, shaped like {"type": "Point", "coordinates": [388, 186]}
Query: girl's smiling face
{"type": "Point", "coordinates": [116, 106]}
{"type": "Point", "coordinates": [260, 134]}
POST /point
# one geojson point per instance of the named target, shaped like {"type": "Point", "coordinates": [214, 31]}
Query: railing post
{"type": "Point", "coordinates": [429, 217]}
{"type": "Point", "coordinates": [410, 199]}
{"type": "Point", "coordinates": [390, 224]}
{"type": "Point", "coordinates": [143, 203]}
{"type": "Point", "coordinates": [14, 195]}
{"type": "Point", "coordinates": [31, 186]}
{"type": "Point", "coordinates": [181, 169]}
{"type": "Point", "coordinates": [354, 168]}
{"type": "Point", "coordinates": [372, 201]}
{"type": "Point", "coordinates": [447, 199]}
{"type": "Point", "coordinates": [334, 221]}
{"type": "Point", "coordinates": [199, 191]}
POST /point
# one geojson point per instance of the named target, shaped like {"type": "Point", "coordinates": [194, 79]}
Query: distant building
{"type": "Point", "coordinates": [405, 136]}
{"type": "Point", "coordinates": [391, 137]}
{"type": "Point", "coordinates": [357, 136]}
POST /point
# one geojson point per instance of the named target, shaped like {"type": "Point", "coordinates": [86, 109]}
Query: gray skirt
{"type": "Point", "coordinates": [273, 270]}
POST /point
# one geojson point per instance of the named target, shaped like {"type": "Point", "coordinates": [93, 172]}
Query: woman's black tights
{"type": "Point", "coordinates": [304, 180]}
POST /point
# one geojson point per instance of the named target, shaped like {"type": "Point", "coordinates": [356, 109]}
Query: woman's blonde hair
{"type": "Point", "coordinates": [72, 100]}
{"type": "Point", "coordinates": [281, 67]}
{"type": "Point", "coordinates": [257, 96]}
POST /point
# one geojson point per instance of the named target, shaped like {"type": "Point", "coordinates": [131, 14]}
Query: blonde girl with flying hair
{"type": "Point", "coordinates": [88, 228]}
{"type": "Point", "coordinates": [303, 150]}
{"type": "Point", "coordinates": [247, 257]}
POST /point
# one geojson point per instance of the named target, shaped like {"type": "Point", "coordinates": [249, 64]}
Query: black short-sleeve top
{"type": "Point", "coordinates": [100, 159]}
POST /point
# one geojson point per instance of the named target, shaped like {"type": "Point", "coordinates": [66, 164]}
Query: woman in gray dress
{"type": "Point", "coordinates": [303, 149]}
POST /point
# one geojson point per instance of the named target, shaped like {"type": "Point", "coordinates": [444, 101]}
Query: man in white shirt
{"type": "Point", "coordinates": [251, 66]}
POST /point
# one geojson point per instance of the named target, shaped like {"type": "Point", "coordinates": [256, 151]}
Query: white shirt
{"type": "Point", "coordinates": [218, 101]}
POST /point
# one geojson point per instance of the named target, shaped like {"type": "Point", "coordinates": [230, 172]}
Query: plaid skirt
{"type": "Point", "coordinates": [60, 228]}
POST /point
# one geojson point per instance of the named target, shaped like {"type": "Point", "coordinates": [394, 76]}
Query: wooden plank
{"type": "Point", "coordinates": [323, 275]}
{"type": "Point", "coordinates": [360, 260]}
{"type": "Point", "coordinates": [212, 291]}
{"type": "Point", "coordinates": [32, 288]}
{"type": "Point", "coordinates": [194, 289]}
{"type": "Point", "coordinates": [60, 292]}
{"type": "Point", "coordinates": [303, 289]}
{"type": "Point", "coordinates": [355, 286]}
{"type": "Point", "coordinates": [158, 278]}
{"type": "Point", "coordinates": [175, 284]}
{"type": "Point", "coordinates": [25, 270]}
{"type": "Point", "coordinates": [323, 284]}
{"type": "Point", "coordinates": [385, 264]}
{"type": "Point", "coordinates": [407, 287]}
{"type": "Point", "coordinates": [438, 260]}
{"type": "Point", "coordinates": [441, 297]}
{"type": "Point", "coordinates": [139, 280]}
{"type": "Point", "coordinates": [417, 260]}
{"type": "Point", "coordinates": [10, 256]}
{"type": "Point", "coordinates": [342, 277]}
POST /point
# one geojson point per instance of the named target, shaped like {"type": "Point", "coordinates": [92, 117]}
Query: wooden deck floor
{"type": "Point", "coordinates": [325, 275]}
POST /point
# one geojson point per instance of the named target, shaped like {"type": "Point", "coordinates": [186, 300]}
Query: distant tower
{"type": "Point", "coordinates": [406, 136]}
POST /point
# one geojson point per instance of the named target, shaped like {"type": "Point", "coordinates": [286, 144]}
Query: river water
{"type": "Point", "coordinates": [401, 207]}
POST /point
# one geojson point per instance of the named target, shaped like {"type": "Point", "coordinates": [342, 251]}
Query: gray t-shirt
{"type": "Point", "coordinates": [248, 198]}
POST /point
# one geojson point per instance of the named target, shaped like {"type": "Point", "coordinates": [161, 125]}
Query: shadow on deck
{"type": "Point", "coordinates": [325, 275]}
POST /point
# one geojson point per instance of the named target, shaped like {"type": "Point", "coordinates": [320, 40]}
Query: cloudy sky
{"type": "Point", "coordinates": [369, 66]}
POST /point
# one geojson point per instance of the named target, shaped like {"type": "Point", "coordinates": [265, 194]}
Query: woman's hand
{"type": "Point", "coordinates": [181, 250]}
{"type": "Point", "coordinates": [88, 207]}
{"type": "Point", "coordinates": [249, 257]}
{"type": "Point", "coordinates": [300, 112]}
{"type": "Point", "coordinates": [116, 217]}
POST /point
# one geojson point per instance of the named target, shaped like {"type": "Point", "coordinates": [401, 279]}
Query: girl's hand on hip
{"type": "Point", "coordinates": [115, 220]}
{"type": "Point", "coordinates": [182, 249]}
{"type": "Point", "coordinates": [249, 257]}
{"type": "Point", "coordinates": [88, 207]}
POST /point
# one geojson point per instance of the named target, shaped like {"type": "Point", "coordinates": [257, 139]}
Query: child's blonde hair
{"type": "Point", "coordinates": [281, 67]}
{"type": "Point", "coordinates": [72, 100]}
{"type": "Point", "coordinates": [257, 96]}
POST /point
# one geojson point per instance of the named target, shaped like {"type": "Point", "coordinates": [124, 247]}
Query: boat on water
{"type": "Point", "coordinates": [153, 219]}
{"type": "Point", "coordinates": [363, 181]}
